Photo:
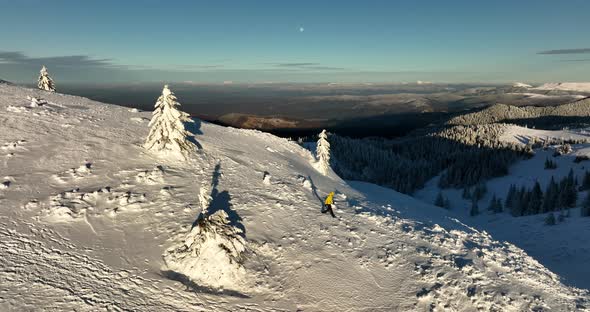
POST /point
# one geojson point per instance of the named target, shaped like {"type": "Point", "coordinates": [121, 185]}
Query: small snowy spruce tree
{"type": "Point", "coordinates": [211, 253]}
{"type": "Point", "coordinates": [45, 82]}
{"type": "Point", "coordinates": [167, 129]}
{"type": "Point", "coordinates": [323, 152]}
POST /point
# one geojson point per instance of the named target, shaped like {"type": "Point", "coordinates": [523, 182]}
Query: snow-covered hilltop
{"type": "Point", "coordinates": [91, 221]}
{"type": "Point", "coordinates": [521, 85]}
{"type": "Point", "coordinates": [566, 86]}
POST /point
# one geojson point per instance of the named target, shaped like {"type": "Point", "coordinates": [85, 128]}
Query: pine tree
{"type": "Point", "coordinates": [551, 196]}
{"type": "Point", "coordinates": [45, 82]}
{"type": "Point", "coordinates": [499, 207]}
{"type": "Point", "coordinates": [466, 193]}
{"type": "Point", "coordinates": [571, 193]}
{"type": "Point", "coordinates": [474, 209]}
{"type": "Point", "coordinates": [323, 152]}
{"type": "Point", "coordinates": [440, 200]}
{"type": "Point", "coordinates": [585, 211]}
{"type": "Point", "coordinates": [536, 199]}
{"type": "Point", "coordinates": [167, 127]}
{"type": "Point", "coordinates": [479, 191]}
{"type": "Point", "coordinates": [447, 204]}
{"type": "Point", "coordinates": [510, 196]}
{"type": "Point", "coordinates": [492, 207]}
{"type": "Point", "coordinates": [550, 219]}
{"type": "Point", "coordinates": [585, 182]}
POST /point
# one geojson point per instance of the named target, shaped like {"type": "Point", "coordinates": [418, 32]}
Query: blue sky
{"type": "Point", "coordinates": [296, 41]}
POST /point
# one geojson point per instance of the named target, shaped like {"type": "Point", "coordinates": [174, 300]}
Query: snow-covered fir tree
{"type": "Point", "coordinates": [45, 82]}
{"type": "Point", "coordinates": [323, 152]}
{"type": "Point", "coordinates": [167, 127]}
{"type": "Point", "coordinates": [211, 253]}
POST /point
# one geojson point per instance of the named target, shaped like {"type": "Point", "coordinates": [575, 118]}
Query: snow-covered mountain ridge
{"type": "Point", "coordinates": [565, 86]}
{"type": "Point", "coordinates": [86, 215]}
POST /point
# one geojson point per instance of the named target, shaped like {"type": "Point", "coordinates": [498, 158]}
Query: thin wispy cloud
{"type": "Point", "coordinates": [77, 61]}
{"type": "Point", "coordinates": [565, 51]}
{"type": "Point", "coordinates": [295, 64]}
{"type": "Point", "coordinates": [19, 58]}
{"type": "Point", "coordinates": [306, 66]}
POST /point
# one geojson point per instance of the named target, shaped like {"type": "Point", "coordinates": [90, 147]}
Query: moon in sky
{"type": "Point", "coordinates": [301, 29]}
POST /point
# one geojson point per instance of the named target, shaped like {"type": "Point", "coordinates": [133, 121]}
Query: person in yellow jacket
{"type": "Point", "coordinates": [328, 204]}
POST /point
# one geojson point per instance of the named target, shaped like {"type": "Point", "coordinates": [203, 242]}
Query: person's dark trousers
{"type": "Point", "coordinates": [328, 208]}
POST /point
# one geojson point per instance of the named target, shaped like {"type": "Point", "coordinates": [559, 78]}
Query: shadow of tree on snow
{"type": "Point", "coordinates": [222, 201]}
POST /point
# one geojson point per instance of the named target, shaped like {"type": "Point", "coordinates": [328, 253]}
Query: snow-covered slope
{"type": "Point", "coordinates": [86, 215]}
{"type": "Point", "coordinates": [522, 135]}
{"type": "Point", "coordinates": [566, 86]}
{"type": "Point", "coordinates": [562, 248]}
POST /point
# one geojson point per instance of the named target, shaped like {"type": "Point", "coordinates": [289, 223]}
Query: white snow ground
{"type": "Point", "coordinates": [522, 135]}
{"type": "Point", "coordinates": [564, 248]}
{"type": "Point", "coordinates": [86, 214]}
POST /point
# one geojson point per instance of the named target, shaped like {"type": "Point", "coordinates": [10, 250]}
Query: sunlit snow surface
{"type": "Point", "coordinates": [86, 215]}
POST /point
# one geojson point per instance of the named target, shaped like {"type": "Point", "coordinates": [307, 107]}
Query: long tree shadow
{"type": "Point", "coordinates": [194, 287]}
{"type": "Point", "coordinates": [222, 201]}
{"type": "Point", "coordinates": [194, 128]}
{"type": "Point", "coordinates": [314, 190]}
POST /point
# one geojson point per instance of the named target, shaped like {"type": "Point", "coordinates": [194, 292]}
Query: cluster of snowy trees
{"type": "Point", "coordinates": [557, 196]}
{"type": "Point", "coordinates": [475, 194]}
{"type": "Point", "coordinates": [168, 131]}
{"type": "Point", "coordinates": [469, 154]}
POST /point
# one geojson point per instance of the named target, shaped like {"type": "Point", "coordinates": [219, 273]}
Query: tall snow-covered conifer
{"type": "Point", "coordinates": [323, 152]}
{"type": "Point", "coordinates": [167, 130]}
{"type": "Point", "coordinates": [45, 82]}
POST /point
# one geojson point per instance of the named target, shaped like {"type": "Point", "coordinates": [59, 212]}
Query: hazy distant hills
{"type": "Point", "coordinates": [266, 123]}
{"type": "Point", "coordinates": [350, 109]}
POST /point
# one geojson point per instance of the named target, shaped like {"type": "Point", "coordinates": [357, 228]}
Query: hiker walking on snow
{"type": "Point", "coordinates": [328, 204]}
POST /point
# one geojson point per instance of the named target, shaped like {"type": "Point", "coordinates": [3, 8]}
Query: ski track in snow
{"type": "Point", "coordinates": [87, 214]}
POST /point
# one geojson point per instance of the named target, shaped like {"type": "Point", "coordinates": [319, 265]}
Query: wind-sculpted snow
{"type": "Point", "coordinates": [87, 214]}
